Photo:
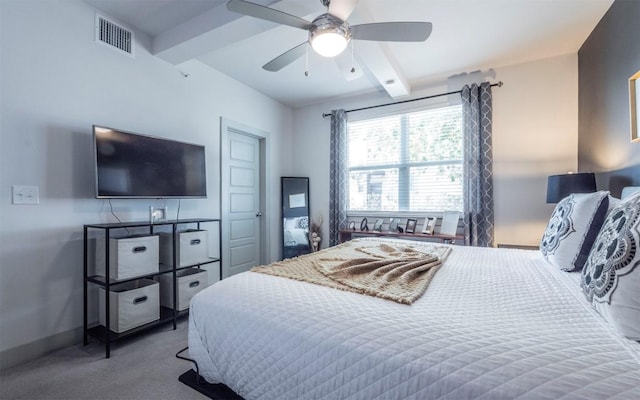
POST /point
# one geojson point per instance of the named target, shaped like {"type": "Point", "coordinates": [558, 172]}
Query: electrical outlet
{"type": "Point", "coordinates": [26, 194]}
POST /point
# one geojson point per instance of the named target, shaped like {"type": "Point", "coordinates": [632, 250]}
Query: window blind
{"type": "Point", "coordinates": [406, 162]}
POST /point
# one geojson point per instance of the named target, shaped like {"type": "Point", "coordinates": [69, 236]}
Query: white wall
{"type": "Point", "coordinates": [535, 117]}
{"type": "Point", "coordinates": [55, 83]}
{"type": "Point", "coordinates": [535, 127]}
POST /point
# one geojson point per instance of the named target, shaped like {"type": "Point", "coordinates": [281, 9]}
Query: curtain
{"type": "Point", "coordinates": [478, 160]}
{"type": "Point", "coordinates": [338, 175]}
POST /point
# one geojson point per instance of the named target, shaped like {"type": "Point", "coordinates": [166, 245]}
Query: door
{"type": "Point", "coordinates": [241, 206]}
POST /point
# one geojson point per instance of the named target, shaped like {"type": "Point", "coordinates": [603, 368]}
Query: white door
{"type": "Point", "coordinates": [241, 192]}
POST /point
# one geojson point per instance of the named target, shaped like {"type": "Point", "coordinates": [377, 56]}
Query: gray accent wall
{"type": "Point", "coordinates": [607, 59]}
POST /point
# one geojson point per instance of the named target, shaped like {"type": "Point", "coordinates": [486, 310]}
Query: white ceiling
{"type": "Point", "coordinates": [468, 35]}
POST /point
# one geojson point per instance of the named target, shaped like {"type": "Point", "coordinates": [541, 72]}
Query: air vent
{"type": "Point", "coordinates": [113, 35]}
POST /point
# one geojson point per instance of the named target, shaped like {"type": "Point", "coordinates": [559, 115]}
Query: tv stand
{"type": "Point", "coordinates": [102, 332]}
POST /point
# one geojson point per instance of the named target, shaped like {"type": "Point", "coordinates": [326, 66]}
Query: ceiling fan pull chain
{"type": "Point", "coordinates": [306, 61]}
{"type": "Point", "coordinates": [353, 68]}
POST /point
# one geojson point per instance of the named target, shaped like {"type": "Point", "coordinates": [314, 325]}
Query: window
{"type": "Point", "coordinates": [407, 162]}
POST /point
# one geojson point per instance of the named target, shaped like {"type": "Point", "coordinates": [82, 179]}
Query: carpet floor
{"type": "Point", "coordinates": [140, 368]}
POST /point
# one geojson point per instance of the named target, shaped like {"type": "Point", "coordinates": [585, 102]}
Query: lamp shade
{"type": "Point", "coordinates": [560, 186]}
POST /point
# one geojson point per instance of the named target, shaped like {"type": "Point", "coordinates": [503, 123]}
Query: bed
{"type": "Point", "coordinates": [492, 324]}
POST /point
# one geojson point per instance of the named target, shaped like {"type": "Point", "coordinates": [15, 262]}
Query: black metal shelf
{"type": "Point", "coordinates": [101, 280]}
{"type": "Point", "coordinates": [139, 224]}
{"type": "Point", "coordinates": [103, 334]}
{"type": "Point", "coordinates": [211, 260]}
{"type": "Point", "coordinates": [167, 315]}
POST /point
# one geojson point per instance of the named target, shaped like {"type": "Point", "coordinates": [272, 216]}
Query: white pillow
{"type": "Point", "coordinates": [611, 276]}
{"type": "Point", "coordinates": [573, 228]}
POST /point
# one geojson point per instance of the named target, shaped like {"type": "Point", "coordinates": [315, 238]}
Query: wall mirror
{"type": "Point", "coordinates": [295, 216]}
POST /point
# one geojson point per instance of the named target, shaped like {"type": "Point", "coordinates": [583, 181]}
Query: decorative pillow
{"type": "Point", "coordinates": [573, 228]}
{"type": "Point", "coordinates": [611, 275]}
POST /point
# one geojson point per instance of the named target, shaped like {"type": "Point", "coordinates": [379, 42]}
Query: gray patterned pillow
{"type": "Point", "coordinates": [611, 276]}
{"type": "Point", "coordinates": [573, 228]}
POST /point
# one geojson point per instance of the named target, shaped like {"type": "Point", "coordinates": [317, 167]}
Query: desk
{"type": "Point", "coordinates": [346, 235]}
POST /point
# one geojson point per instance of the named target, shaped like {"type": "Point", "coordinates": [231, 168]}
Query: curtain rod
{"type": "Point", "coordinates": [324, 115]}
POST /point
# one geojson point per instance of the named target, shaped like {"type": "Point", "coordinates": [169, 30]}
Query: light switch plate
{"type": "Point", "coordinates": [26, 194]}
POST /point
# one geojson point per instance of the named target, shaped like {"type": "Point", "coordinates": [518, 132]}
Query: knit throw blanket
{"type": "Point", "coordinates": [391, 270]}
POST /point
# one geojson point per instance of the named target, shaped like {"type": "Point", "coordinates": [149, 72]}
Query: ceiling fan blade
{"type": "Point", "coordinates": [342, 8]}
{"type": "Point", "coordinates": [393, 31]}
{"type": "Point", "coordinates": [286, 58]}
{"type": "Point", "coordinates": [266, 13]}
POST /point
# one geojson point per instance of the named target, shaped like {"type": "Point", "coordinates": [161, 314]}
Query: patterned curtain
{"type": "Point", "coordinates": [338, 176]}
{"type": "Point", "coordinates": [478, 160]}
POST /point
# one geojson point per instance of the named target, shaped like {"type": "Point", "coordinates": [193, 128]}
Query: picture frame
{"type": "Point", "coordinates": [634, 106]}
{"type": "Point", "coordinates": [378, 225]}
{"type": "Point", "coordinates": [393, 225]}
{"type": "Point", "coordinates": [411, 225]}
{"type": "Point", "coordinates": [450, 221]}
{"type": "Point", "coordinates": [158, 214]}
{"type": "Point", "coordinates": [429, 225]}
{"type": "Point", "coordinates": [352, 225]}
{"type": "Point", "coordinates": [298, 200]}
{"type": "Point", "coordinates": [364, 226]}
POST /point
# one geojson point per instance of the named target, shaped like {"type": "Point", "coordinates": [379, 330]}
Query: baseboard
{"type": "Point", "coordinates": [38, 348]}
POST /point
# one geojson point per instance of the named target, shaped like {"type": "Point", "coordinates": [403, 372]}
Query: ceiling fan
{"type": "Point", "coordinates": [329, 33]}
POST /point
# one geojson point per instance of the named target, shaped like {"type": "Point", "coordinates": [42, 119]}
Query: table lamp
{"type": "Point", "coordinates": [560, 186]}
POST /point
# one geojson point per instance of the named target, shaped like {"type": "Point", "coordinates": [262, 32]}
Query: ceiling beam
{"type": "Point", "coordinates": [207, 32]}
{"type": "Point", "coordinates": [383, 67]}
{"type": "Point", "coordinates": [377, 59]}
{"type": "Point", "coordinates": [219, 28]}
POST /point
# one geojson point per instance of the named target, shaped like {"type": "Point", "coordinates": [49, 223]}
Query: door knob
{"type": "Point", "coordinates": [258, 214]}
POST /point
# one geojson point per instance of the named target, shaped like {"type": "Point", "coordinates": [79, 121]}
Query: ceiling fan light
{"type": "Point", "coordinates": [329, 35]}
{"type": "Point", "coordinates": [329, 44]}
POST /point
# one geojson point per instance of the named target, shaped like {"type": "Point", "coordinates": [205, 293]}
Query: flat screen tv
{"type": "Point", "coordinates": [130, 165]}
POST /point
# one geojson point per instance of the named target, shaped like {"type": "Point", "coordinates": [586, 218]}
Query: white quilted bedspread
{"type": "Point", "coordinates": [493, 324]}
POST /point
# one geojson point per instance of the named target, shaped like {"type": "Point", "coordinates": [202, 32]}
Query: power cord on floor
{"type": "Point", "coordinates": [180, 356]}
